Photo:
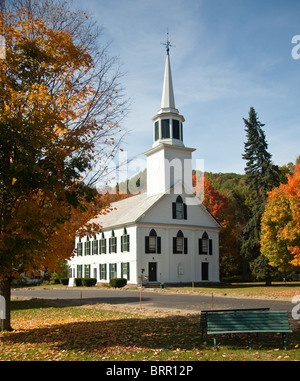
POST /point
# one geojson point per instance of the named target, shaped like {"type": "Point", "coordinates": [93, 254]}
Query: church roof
{"type": "Point", "coordinates": [132, 209]}
{"type": "Point", "coordinates": [127, 211]}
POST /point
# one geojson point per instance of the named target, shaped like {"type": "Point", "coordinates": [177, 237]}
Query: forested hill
{"type": "Point", "coordinates": [222, 182]}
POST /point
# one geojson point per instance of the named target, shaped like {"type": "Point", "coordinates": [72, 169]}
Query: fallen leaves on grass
{"type": "Point", "coordinates": [81, 333]}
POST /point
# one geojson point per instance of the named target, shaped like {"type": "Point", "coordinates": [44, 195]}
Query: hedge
{"type": "Point", "coordinates": [87, 282]}
{"type": "Point", "coordinates": [118, 282]}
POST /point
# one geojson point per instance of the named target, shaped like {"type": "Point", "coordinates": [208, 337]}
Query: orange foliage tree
{"type": "Point", "coordinates": [280, 225]}
{"type": "Point", "coordinates": [59, 108]}
{"type": "Point", "coordinates": [219, 206]}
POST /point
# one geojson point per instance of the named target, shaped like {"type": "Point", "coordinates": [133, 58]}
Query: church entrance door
{"type": "Point", "coordinates": [152, 272]}
{"type": "Point", "coordinates": [204, 271]}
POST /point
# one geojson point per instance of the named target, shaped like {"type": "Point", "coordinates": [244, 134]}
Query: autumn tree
{"type": "Point", "coordinates": [60, 107]}
{"type": "Point", "coordinates": [280, 238]}
{"type": "Point", "coordinates": [219, 206]}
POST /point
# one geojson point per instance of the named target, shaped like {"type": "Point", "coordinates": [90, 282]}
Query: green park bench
{"type": "Point", "coordinates": [248, 322]}
{"type": "Point", "coordinates": [203, 316]}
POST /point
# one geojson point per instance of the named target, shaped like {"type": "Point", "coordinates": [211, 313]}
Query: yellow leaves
{"type": "Point", "coordinates": [280, 239]}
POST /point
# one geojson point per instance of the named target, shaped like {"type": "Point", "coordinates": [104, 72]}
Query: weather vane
{"type": "Point", "coordinates": [168, 43]}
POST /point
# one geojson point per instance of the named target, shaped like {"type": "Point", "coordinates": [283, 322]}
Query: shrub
{"type": "Point", "coordinates": [64, 281]}
{"type": "Point", "coordinates": [88, 282]}
{"type": "Point", "coordinates": [118, 282]}
{"type": "Point", "coordinates": [78, 282]}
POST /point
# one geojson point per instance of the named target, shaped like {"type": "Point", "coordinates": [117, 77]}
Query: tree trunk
{"type": "Point", "coordinates": [5, 305]}
{"type": "Point", "coordinates": [268, 281]}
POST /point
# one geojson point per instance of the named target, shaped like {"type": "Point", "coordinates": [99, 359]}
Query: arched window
{"type": "Point", "coordinates": [153, 233]}
{"type": "Point", "coordinates": [124, 241]}
{"type": "Point", "coordinates": [112, 243]}
{"type": "Point", "coordinates": [180, 244]}
{"type": "Point", "coordinates": [179, 209]}
{"type": "Point", "coordinates": [205, 244]}
{"type": "Point", "coordinates": [79, 247]}
{"type": "Point", "coordinates": [87, 246]}
{"type": "Point", "coordinates": [102, 244]}
{"type": "Point", "coordinates": [152, 243]}
{"type": "Point", "coordinates": [95, 245]}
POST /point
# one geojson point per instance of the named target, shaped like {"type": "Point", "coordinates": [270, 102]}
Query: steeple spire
{"type": "Point", "coordinates": [167, 99]}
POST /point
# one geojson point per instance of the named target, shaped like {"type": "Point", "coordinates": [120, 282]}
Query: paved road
{"type": "Point", "coordinates": [152, 299]}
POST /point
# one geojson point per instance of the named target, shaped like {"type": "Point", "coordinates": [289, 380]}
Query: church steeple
{"type": "Point", "coordinates": [168, 151]}
{"type": "Point", "coordinates": [168, 123]}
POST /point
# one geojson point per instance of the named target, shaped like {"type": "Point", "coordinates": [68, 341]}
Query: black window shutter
{"type": "Point", "coordinates": [174, 245]}
{"type": "Point", "coordinates": [122, 243]}
{"type": "Point", "coordinates": [147, 245]}
{"type": "Point", "coordinates": [185, 211]}
{"type": "Point", "coordinates": [158, 245]}
{"type": "Point", "coordinates": [174, 210]}
{"type": "Point", "coordinates": [185, 245]}
{"type": "Point", "coordinates": [210, 247]}
{"type": "Point", "coordinates": [200, 245]}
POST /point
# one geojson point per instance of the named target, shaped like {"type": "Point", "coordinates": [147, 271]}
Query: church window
{"type": "Point", "coordinates": [180, 244]}
{"type": "Point", "coordinates": [175, 129]}
{"type": "Point", "coordinates": [205, 244]}
{"type": "Point", "coordinates": [153, 243]}
{"type": "Point", "coordinates": [87, 271]}
{"type": "Point", "coordinates": [179, 209]}
{"type": "Point", "coordinates": [87, 246]}
{"type": "Point", "coordinates": [165, 128]}
{"type": "Point", "coordinates": [102, 271]}
{"type": "Point", "coordinates": [156, 130]}
{"type": "Point", "coordinates": [112, 270]}
{"type": "Point", "coordinates": [95, 245]}
{"type": "Point", "coordinates": [125, 270]}
{"type": "Point", "coordinates": [102, 244]}
{"type": "Point", "coordinates": [79, 271]}
{"type": "Point", "coordinates": [112, 243]}
{"type": "Point", "coordinates": [79, 248]}
{"type": "Point", "coordinates": [125, 241]}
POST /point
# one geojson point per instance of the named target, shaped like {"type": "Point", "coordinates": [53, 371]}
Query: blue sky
{"type": "Point", "coordinates": [228, 55]}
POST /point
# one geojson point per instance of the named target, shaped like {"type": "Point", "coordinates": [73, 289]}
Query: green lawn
{"type": "Point", "coordinates": [45, 331]}
{"type": "Point", "coordinates": [253, 289]}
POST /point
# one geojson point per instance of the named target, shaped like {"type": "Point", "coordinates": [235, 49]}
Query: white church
{"type": "Point", "coordinates": [165, 235]}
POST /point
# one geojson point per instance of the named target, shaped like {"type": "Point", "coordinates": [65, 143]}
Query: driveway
{"type": "Point", "coordinates": [152, 299]}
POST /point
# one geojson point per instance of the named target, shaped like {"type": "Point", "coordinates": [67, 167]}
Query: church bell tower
{"type": "Point", "coordinates": [168, 161]}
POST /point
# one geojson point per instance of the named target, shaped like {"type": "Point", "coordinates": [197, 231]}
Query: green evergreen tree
{"type": "Point", "coordinates": [261, 176]}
